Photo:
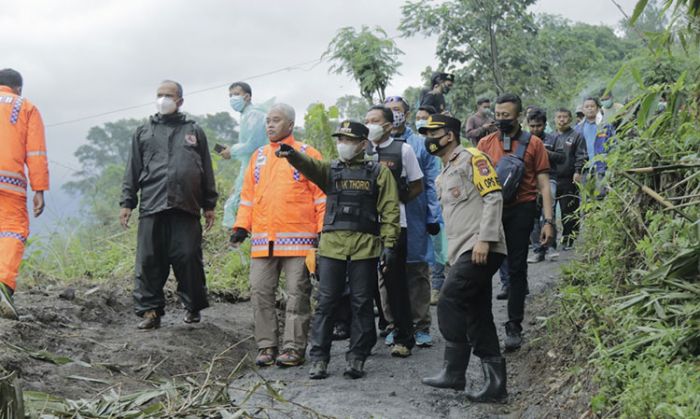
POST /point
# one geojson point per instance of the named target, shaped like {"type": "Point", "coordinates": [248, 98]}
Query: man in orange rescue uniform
{"type": "Point", "coordinates": [283, 212]}
{"type": "Point", "coordinates": [21, 143]}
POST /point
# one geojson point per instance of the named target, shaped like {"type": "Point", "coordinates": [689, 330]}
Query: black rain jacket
{"type": "Point", "coordinates": [170, 164]}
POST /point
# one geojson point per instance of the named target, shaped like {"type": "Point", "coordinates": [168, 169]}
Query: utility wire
{"type": "Point", "coordinates": [194, 92]}
{"type": "Point", "coordinates": [297, 66]}
{"type": "Point", "coordinates": [72, 169]}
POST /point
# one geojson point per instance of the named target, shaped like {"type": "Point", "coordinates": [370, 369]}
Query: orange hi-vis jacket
{"type": "Point", "coordinates": [22, 143]}
{"type": "Point", "coordinates": [279, 206]}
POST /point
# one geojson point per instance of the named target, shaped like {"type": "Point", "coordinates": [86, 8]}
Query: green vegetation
{"type": "Point", "coordinates": [633, 298]}
{"type": "Point", "coordinates": [496, 47]}
{"type": "Point", "coordinates": [369, 56]}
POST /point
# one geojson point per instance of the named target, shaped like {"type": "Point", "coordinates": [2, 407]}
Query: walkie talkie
{"type": "Point", "coordinates": [506, 143]}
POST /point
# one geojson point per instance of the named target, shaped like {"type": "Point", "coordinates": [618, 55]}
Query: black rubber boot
{"type": "Point", "coordinates": [454, 369]}
{"type": "Point", "coordinates": [494, 390]}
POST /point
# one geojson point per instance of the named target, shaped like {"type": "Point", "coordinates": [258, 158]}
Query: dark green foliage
{"type": "Point", "coordinates": [547, 60]}
{"type": "Point", "coordinates": [351, 107]}
{"type": "Point", "coordinates": [368, 56]}
{"type": "Point", "coordinates": [635, 293]}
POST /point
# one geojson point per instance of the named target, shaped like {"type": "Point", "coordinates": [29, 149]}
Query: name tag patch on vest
{"type": "Point", "coordinates": [352, 185]}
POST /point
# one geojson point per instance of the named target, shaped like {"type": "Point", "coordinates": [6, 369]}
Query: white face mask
{"type": "Point", "coordinates": [376, 132]}
{"type": "Point", "coordinates": [165, 105]}
{"type": "Point", "coordinates": [347, 151]}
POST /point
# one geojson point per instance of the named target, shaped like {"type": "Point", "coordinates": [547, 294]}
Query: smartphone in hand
{"type": "Point", "coordinates": [218, 148]}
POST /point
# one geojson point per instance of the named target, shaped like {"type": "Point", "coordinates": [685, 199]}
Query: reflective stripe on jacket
{"type": "Point", "coordinates": [22, 142]}
{"type": "Point", "coordinates": [279, 205]}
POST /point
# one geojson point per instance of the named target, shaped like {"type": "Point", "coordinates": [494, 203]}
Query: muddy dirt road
{"type": "Point", "coordinates": [79, 342]}
{"type": "Point", "coordinates": [392, 388]}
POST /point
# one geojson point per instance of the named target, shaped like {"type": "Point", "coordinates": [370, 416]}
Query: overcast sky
{"type": "Point", "coordinates": [80, 57]}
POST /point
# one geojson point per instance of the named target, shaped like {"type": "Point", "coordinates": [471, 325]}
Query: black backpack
{"type": "Point", "coordinates": [511, 168]}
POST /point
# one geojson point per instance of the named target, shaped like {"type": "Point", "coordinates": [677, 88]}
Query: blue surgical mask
{"type": "Point", "coordinates": [237, 103]}
{"type": "Point", "coordinates": [421, 123]}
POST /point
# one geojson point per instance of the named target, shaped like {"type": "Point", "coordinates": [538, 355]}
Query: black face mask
{"type": "Point", "coordinates": [433, 145]}
{"type": "Point", "coordinates": [505, 125]}
{"type": "Point", "coordinates": [445, 90]}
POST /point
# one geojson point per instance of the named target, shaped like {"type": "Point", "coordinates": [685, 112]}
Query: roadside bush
{"type": "Point", "coordinates": [635, 291]}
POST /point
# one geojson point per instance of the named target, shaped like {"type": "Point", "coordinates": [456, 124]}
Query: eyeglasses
{"type": "Point", "coordinates": [393, 99]}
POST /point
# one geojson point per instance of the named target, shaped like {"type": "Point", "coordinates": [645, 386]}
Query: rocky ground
{"type": "Point", "coordinates": [79, 342]}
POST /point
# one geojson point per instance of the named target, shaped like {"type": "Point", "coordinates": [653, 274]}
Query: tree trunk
{"type": "Point", "coordinates": [495, 69]}
{"type": "Point", "coordinates": [11, 404]}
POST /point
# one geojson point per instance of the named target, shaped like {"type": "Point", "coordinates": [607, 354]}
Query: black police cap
{"type": "Point", "coordinates": [438, 121]}
{"type": "Point", "coordinates": [352, 129]}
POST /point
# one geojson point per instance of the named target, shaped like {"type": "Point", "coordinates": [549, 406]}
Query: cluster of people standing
{"type": "Point", "coordinates": [403, 218]}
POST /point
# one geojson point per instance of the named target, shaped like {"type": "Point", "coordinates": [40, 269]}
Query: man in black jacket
{"type": "Point", "coordinates": [537, 122]}
{"type": "Point", "coordinates": [170, 164]}
{"type": "Point", "coordinates": [440, 85]}
{"type": "Point", "coordinates": [569, 175]}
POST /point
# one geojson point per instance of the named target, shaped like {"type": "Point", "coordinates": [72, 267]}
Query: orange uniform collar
{"type": "Point", "coordinates": [288, 140]}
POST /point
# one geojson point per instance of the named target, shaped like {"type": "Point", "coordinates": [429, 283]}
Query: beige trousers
{"type": "Point", "coordinates": [418, 278]}
{"type": "Point", "coordinates": [264, 280]}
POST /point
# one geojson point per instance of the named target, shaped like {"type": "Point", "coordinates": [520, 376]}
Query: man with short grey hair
{"type": "Point", "coordinates": [285, 110]}
{"type": "Point", "coordinates": [283, 212]}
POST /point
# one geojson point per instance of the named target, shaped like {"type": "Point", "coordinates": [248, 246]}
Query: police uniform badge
{"type": "Point", "coordinates": [482, 166]}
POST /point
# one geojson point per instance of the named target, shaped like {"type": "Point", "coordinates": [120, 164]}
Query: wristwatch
{"type": "Point", "coordinates": [549, 221]}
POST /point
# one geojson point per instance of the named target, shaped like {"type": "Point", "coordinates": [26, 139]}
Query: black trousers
{"type": "Point", "coordinates": [464, 309]}
{"type": "Point", "coordinates": [343, 310]}
{"type": "Point", "coordinates": [362, 280]}
{"type": "Point", "coordinates": [569, 201]}
{"type": "Point", "coordinates": [399, 301]}
{"type": "Point", "coordinates": [396, 283]}
{"type": "Point", "coordinates": [169, 238]}
{"type": "Point", "coordinates": [518, 221]}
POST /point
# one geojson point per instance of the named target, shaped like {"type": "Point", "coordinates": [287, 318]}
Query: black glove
{"type": "Point", "coordinates": [387, 259]}
{"type": "Point", "coordinates": [433, 228]}
{"type": "Point", "coordinates": [285, 150]}
{"type": "Point", "coordinates": [238, 236]}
